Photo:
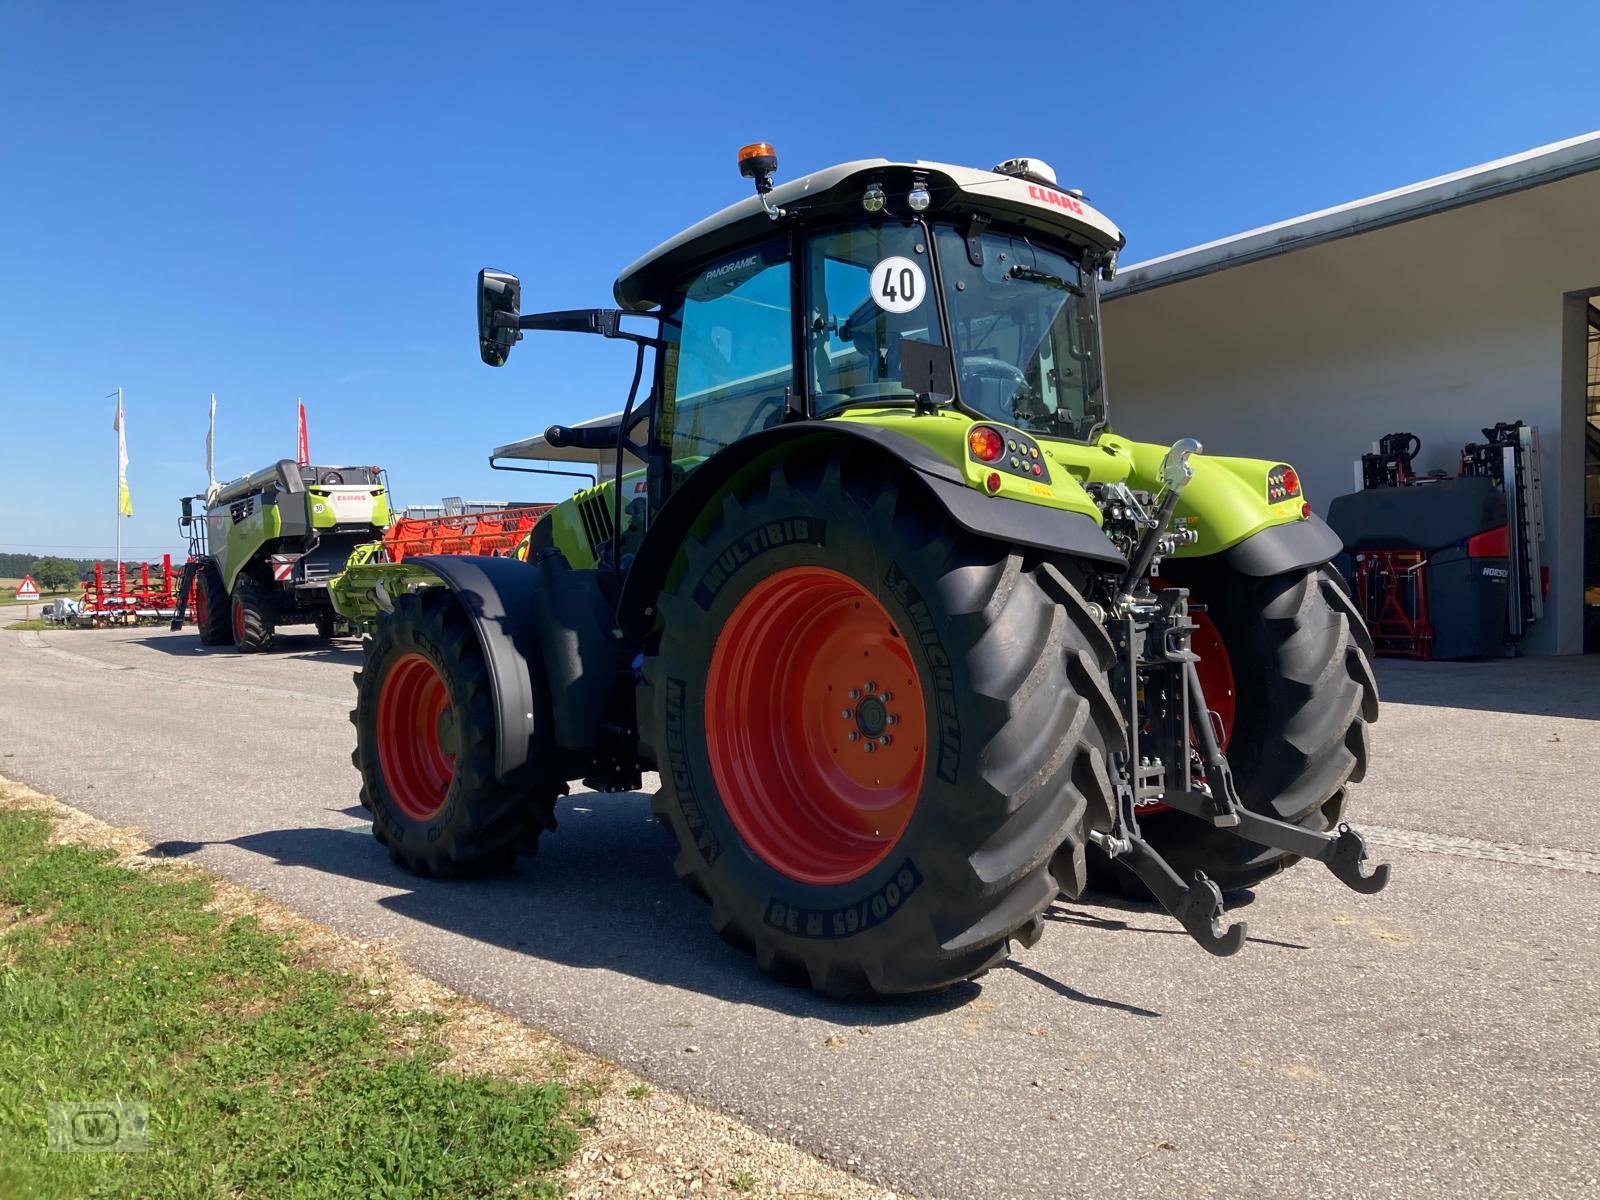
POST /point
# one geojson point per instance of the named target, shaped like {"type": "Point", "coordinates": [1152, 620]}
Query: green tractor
{"type": "Point", "coordinates": [264, 547]}
{"type": "Point", "coordinates": [914, 641]}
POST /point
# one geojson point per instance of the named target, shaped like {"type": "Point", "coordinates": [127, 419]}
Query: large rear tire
{"type": "Point", "coordinates": [1301, 662]}
{"type": "Point", "coordinates": [211, 607]}
{"type": "Point", "coordinates": [910, 866]}
{"type": "Point", "coordinates": [252, 616]}
{"type": "Point", "coordinates": [425, 747]}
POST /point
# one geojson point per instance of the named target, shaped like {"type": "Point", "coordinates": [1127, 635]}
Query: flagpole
{"type": "Point", "coordinates": [120, 436]}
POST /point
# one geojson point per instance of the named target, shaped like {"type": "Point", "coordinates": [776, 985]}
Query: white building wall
{"type": "Point", "coordinates": [1438, 326]}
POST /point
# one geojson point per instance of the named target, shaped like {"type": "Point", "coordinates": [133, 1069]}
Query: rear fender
{"type": "Point", "coordinates": [997, 518]}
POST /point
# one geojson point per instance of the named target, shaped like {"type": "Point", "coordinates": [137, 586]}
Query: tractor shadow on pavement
{"type": "Point", "coordinates": [599, 895]}
{"type": "Point", "coordinates": [1146, 916]}
{"type": "Point", "coordinates": [284, 646]}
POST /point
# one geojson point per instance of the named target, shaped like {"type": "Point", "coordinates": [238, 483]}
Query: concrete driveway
{"type": "Point", "coordinates": [1439, 1039]}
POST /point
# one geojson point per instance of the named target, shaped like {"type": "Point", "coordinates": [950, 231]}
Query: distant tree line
{"type": "Point", "coordinates": [54, 574]}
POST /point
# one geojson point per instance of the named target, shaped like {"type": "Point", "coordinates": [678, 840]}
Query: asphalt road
{"type": "Point", "coordinates": [1439, 1039]}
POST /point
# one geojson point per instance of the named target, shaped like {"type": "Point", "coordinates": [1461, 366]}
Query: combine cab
{"type": "Point", "coordinates": [265, 547]}
{"type": "Point", "coordinates": [915, 642]}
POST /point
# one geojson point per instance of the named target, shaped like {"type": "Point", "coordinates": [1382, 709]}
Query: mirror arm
{"type": "Point", "coordinates": [607, 322]}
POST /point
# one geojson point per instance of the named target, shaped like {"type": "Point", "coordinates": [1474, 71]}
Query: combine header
{"type": "Point", "coordinates": [914, 641]}
{"type": "Point", "coordinates": [374, 571]}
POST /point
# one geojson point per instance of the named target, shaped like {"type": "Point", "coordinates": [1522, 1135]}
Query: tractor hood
{"type": "Point", "coordinates": [837, 191]}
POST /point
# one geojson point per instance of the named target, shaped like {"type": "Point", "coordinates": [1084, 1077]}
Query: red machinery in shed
{"type": "Point", "coordinates": [1447, 566]}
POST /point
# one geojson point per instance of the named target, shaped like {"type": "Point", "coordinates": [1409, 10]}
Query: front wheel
{"type": "Point", "coordinates": [211, 607]}
{"type": "Point", "coordinates": [252, 616]}
{"type": "Point", "coordinates": [425, 746]}
{"type": "Point", "coordinates": [880, 741]}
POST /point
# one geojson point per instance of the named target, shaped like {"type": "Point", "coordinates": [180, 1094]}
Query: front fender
{"type": "Point", "coordinates": [994, 517]}
{"type": "Point", "coordinates": [497, 596]}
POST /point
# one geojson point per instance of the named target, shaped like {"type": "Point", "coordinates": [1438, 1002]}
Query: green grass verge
{"type": "Point", "coordinates": [263, 1077]}
{"type": "Point", "coordinates": [36, 623]}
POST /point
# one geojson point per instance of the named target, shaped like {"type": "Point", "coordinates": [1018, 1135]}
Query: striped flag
{"type": "Point", "coordinates": [124, 500]}
{"type": "Point", "coordinates": [305, 449]}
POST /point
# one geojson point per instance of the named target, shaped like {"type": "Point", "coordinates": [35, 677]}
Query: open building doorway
{"type": "Point", "coordinates": [1591, 486]}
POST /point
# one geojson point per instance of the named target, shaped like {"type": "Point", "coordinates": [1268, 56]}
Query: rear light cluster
{"type": "Point", "coordinates": [985, 443]}
{"type": "Point", "coordinates": [1283, 483]}
{"type": "Point", "coordinates": [1008, 450]}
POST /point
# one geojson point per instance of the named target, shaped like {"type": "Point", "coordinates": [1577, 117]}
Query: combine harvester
{"type": "Point", "coordinates": [915, 642]}
{"type": "Point", "coordinates": [265, 546]}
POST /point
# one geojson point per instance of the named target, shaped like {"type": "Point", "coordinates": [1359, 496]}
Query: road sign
{"type": "Point", "coordinates": [27, 589]}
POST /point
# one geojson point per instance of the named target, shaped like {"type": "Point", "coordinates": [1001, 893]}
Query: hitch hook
{"type": "Point", "coordinates": [1348, 852]}
{"type": "Point", "coordinates": [1197, 906]}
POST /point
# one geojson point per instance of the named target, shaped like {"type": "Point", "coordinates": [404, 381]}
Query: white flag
{"type": "Point", "coordinates": [124, 500]}
{"type": "Point", "coordinates": [211, 435]}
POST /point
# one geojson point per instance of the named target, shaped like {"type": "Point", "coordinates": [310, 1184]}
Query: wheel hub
{"type": "Point", "coordinates": [872, 716]}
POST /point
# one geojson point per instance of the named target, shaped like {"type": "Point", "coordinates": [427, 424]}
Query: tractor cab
{"type": "Point", "coordinates": [909, 288]}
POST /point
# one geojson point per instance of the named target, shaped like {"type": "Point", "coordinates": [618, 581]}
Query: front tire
{"type": "Point", "coordinates": [425, 747]}
{"type": "Point", "coordinates": [1305, 692]}
{"type": "Point", "coordinates": [909, 867]}
{"type": "Point", "coordinates": [211, 607]}
{"type": "Point", "coordinates": [252, 616]}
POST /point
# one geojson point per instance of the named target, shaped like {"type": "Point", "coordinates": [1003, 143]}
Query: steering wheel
{"type": "Point", "coordinates": [983, 369]}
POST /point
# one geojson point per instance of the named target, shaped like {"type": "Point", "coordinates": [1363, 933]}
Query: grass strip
{"type": "Point", "coordinates": [262, 1076]}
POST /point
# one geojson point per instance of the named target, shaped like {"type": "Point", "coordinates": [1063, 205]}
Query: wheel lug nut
{"type": "Point", "coordinates": [871, 746]}
{"type": "Point", "coordinates": [846, 713]}
{"type": "Point", "coordinates": [855, 693]}
{"type": "Point", "coordinates": [884, 740]}
{"type": "Point", "coordinates": [891, 719]}
{"type": "Point", "coordinates": [886, 696]}
{"type": "Point", "coordinates": [871, 687]}
{"type": "Point", "coordinates": [852, 735]}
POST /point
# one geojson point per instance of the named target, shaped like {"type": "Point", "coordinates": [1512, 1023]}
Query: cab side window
{"type": "Point", "coordinates": [867, 292]}
{"type": "Point", "coordinates": [728, 367]}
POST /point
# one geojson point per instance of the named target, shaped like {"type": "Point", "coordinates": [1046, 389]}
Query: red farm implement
{"type": "Point", "coordinates": [493, 533]}
{"type": "Point", "coordinates": [148, 593]}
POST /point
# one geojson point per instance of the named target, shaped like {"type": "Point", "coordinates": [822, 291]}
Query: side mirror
{"type": "Point", "coordinates": [499, 305]}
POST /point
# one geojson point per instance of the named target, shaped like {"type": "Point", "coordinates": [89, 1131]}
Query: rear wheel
{"type": "Point", "coordinates": [252, 616]}
{"type": "Point", "coordinates": [326, 629]}
{"type": "Point", "coordinates": [1299, 661]}
{"type": "Point", "coordinates": [425, 746]}
{"type": "Point", "coordinates": [880, 741]}
{"type": "Point", "coordinates": [211, 607]}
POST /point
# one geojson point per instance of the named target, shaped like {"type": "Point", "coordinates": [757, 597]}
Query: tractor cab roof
{"type": "Point", "coordinates": [1022, 199]}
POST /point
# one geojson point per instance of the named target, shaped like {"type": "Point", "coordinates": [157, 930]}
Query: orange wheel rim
{"type": "Point", "coordinates": [815, 725]}
{"type": "Point", "coordinates": [416, 736]}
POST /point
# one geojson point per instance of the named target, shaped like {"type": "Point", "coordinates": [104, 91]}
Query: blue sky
{"type": "Point", "coordinates": [271, 201]}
